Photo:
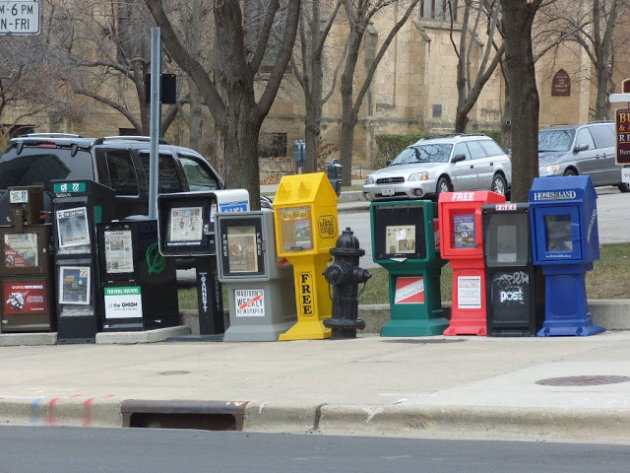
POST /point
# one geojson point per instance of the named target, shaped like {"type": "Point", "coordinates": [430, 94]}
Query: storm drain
{"type": "Point", "coordinates": [203, 415]}
{"type": "Point", "coordinates": [583, 380]}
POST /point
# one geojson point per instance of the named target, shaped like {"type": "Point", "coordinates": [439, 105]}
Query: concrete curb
{"type": "Point", "coordinates": [436, 422]}
{"type": "Point", "coordinates": [351, 196]}
{"type": "Point", "coordinates": [281, 418]}
{"type": "Point", "coordinates": [482, 423]}
{"type": "Point", "coordinates": [612, 314]}
{"type": "Point", "coordinates": [37, 338]}
{"type": "Point", "coordinates": [75, 411]}
{"type": "Point", "coordinates": [148, 336]}
{"type": "Point", "coordinates": [432, 422]}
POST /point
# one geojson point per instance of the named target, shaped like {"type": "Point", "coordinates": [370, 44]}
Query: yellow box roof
{"type": "Point", "coordinates": [305, 189]}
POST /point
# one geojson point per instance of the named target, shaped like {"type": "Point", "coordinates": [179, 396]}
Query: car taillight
{"type": "Point", "coordinates": [46, 145]}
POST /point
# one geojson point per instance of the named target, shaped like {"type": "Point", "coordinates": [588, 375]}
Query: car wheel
{"type": "Point", "coordinates": [499, 184]}
{"type": "Point", "coordinates": [570, 172]}
{"type": "Point", "coordinates": [624, 187]}
{"type": "Point", "coordinates": [443, 185]}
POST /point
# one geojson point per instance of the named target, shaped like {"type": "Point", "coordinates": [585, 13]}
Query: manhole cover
{"type": "Point", "coordinates": [424, 342]}
{"type": "Point", "coordinates": [174, 372]}
{"type": "Point", "coordinates": [583, 380]}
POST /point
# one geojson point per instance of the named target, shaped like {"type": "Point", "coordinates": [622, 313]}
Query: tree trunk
{"type": "Point", "coordinates": [313, 103]}
{"type": "Point", "coordinates": [506, 123]}
{"type": "Point", "coordinates": [196, 116]}
{"type": "Point", "coordinates": [194, 42]}
{"type": "Point", "coordinates": [517, 20]}
{"type": "Point", "coordinates": [348, 122]}
{"type": "Point", "coordinates": [348, 117]}
{"type": "Point", "coordinates": [312, 132]}
{"type": "Point", "coordinates": [461, 120]}
{"type": "Point", "coordinates": [602, 105]}
{"type": "Point", "coordinates": [241, 149]}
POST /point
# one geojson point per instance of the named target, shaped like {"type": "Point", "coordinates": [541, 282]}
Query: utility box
{"type": "Point", "coordinates": [186, 227]}
{"type": "Point", "coordinates": [405, 241]}
{"type": "Point", "coordinates": [565, 240]}
{"type": "Point", "coordinates": [461, 242]}
{"type": "Point", "coordinates": [305, 213]}
{"type": "Point", "coordinates": [26, 265]}
{"type": "Point", "coordinates": [78, 206]}
{"type": "Point", "coordinates": [259, 284]}
{"type": "Point", "coordinates": [514, 287]}
{"type": "Point", "coordinates": [138, 284]}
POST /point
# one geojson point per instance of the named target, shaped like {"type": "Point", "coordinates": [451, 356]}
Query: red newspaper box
{"type": "Point", "coordinates": [461, 242]}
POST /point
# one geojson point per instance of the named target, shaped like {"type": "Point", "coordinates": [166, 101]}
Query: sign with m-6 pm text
{"type": "Point", "coordinates": [19, 17]}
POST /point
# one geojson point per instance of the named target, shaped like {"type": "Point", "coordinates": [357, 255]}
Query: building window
{"type": "Point", "coordinates": [438, 10]}
{"type": "Point", "coordinates": [273, 145]}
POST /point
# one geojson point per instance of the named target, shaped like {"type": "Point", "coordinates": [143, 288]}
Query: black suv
{"type": "Point", "coordinates": [120, 162]}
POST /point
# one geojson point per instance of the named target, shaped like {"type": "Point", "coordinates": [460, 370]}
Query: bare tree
{"type": "Point", "coordinates": [517, 20]}
{"type": "Point", "coordinates": [193, 13]}
{"type": "Point", "coordinates": [550, 30]}
{"type": "Point", "coordinates": [360, 13]}
{"type": "Point", "coordinates": [471, 80]}
{"type": "Point", "coordinates": [312, 38]}
{"type": "Point", "coordinates": [104, 46]}
{"type": "Point", "coordinates": [598, 44]}
{"type": "Point", "coordinates": [229, 90]}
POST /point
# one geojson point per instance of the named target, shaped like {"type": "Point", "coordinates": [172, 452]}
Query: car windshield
{"type": "Point", "coordinates": [438, 153]}
{"type": "Point", "coordinates": [555, 140]}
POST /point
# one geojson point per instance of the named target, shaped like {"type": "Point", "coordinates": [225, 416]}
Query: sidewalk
{"type": "Point", "coordinates": [537, 389]}
{"type": "Point", "coordinates": [425, 387]}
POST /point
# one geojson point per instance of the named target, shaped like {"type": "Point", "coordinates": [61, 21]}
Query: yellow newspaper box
{"type": "Point", "coordinates": [305, 217]}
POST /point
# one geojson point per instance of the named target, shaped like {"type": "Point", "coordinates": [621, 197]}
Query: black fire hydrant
{"type": "Point", "coordinates": [345, 275]}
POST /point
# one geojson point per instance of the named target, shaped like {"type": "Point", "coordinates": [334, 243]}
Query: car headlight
{"type": "Point", "coordinates": [550, 169]}
{"type": "Point", "coordinates": [419, 176]}
{"type": "Point", "coordinates": [369, 180]}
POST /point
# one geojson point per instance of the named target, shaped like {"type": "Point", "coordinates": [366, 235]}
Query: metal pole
{"type": "Point", "coordinates": [155, 125]}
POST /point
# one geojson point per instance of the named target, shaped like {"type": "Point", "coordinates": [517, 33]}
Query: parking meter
{"type": "Point", "coordinates": [305, 218]}
{"type": "Point", "coordinates": [565, 241]}
{"type": "Point", "coordinates": [333, 170]}
{"type": "Point", "coordinates": [461, 242]}
{"type": "Point", "coordinates": [78, 206]}
{"type": "Point", "coordinates": [299, 154]}
{"type": "Point", "coordinates": [186, 229]}
{"type": "Point", "coordinates": [514, 287]}
{"type": "Point", "coordinates": [405, 242]}
{"type": "Point", "coordinates": [259, 285]}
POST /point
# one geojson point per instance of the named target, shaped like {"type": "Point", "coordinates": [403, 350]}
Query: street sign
{"type": "Point", "coordinates": [622, 131]}
{"type": "Point", "coordinates": [19, 17]}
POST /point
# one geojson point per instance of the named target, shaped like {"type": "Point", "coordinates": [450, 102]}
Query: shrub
{"type": "Point", "coordinates": [390, 145]}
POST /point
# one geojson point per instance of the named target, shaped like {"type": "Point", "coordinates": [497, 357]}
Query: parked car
{"type": "Point", "coordinates": [120, 162]}
{"type": "Point", "coordinates": [446, 163]}
{"type": "Point", "coordinates": [589, 149]}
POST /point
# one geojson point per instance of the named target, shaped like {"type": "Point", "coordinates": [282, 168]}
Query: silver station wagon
{"type": "Point", "coordinates": [442, 164]}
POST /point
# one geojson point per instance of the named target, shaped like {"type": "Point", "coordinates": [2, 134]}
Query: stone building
{"type": "Point", "coordinates": [414, 90]}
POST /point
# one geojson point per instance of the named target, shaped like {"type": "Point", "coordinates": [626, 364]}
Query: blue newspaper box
{"type": "Point", "coordinates": [565, 242]}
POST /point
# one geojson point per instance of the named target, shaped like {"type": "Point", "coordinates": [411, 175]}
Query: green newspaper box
{"type": "Point", "coordinates": [405, 241]}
